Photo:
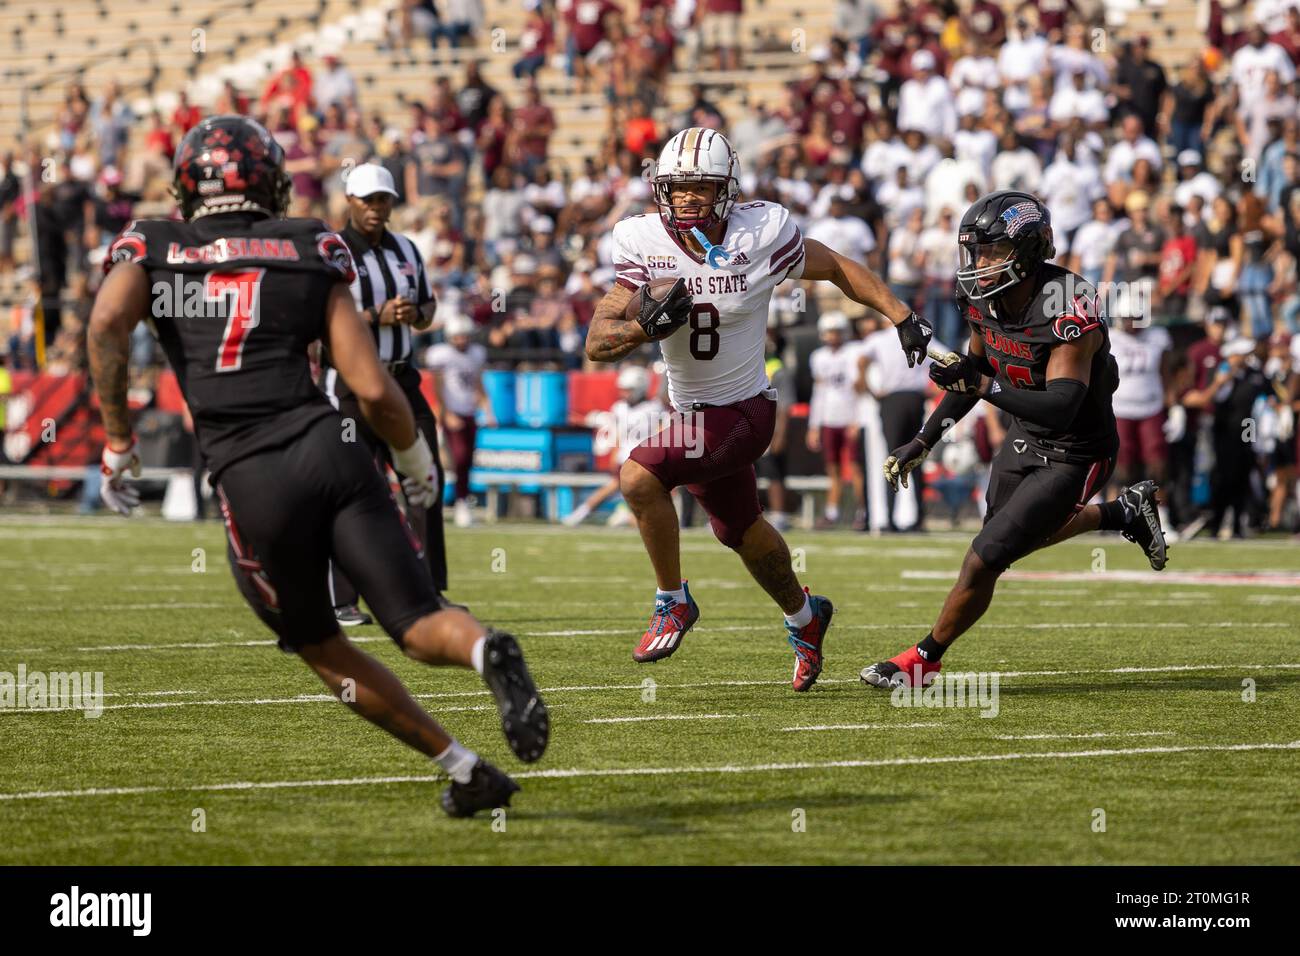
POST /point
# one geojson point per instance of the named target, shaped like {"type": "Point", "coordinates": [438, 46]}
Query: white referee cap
{"type": "Point", "coordinates": [368, 179]}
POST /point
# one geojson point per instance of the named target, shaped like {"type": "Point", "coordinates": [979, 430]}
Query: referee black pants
{"type": "Point", "coordinates": [427, 522]}
{"type": "Point", "coordinates": [901, 416]}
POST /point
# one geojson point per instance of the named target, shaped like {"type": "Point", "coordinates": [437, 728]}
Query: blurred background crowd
{"type": "Point", "coordinates": [1173, 182]}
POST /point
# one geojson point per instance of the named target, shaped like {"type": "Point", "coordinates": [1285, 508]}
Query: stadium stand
{"type": "Point", "coordinates": [1123, 115]}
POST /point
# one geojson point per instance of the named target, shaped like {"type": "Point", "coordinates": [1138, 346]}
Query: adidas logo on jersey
{"type": "Point", "coordinates": [740, 259]}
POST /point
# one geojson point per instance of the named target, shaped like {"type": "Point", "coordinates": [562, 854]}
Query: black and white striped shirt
{"type": "Point", "coordinates": [391, 270]}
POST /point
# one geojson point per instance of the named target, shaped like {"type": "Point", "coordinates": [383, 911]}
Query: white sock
{"type": "Point", "coordinates": [476, 655]}
{"type": "Point", "coordinates": [457, 761]}
{"type": "Point", "coordinates": [832, 514]}
{"type": "Point", "coordinates": [679, 595]}
{"type": "Point", "coordinates": [801, 617]}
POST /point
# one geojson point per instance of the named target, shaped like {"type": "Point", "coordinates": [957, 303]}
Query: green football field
{"type": "Point", "coordinates": [1140, 718]}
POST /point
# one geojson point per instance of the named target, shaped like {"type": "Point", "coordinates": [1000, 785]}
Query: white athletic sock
{"type": "Point", "coordinates": [476, 655]}
{"type": "Point", "coordinates": [832, 514]}
{"type": "Point", "coordinates": [679, 595]}
{"type": "Point", "coordinates": [801, 617]}
{"type": "Point", "coordinates": [457, 761]}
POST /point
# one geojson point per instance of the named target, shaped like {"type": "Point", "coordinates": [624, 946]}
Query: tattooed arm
{"type": "Point", "coordinates": [122, 301]}
{"type": "Point", "coordinates": [611, 334]}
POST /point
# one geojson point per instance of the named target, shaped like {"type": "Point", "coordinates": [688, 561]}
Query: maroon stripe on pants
{"type": "Point", "coordinates": [1098, 475]}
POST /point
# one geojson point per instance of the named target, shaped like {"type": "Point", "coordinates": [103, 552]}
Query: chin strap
{"type": "Point", "coordinates": [716, 256]}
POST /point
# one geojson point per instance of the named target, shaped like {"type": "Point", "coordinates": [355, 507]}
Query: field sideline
{"type": "Point", "coordinates": [1119, 693]}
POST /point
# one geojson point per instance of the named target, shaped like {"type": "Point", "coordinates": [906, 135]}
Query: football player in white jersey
{"type": "Point", "coordinates": [631, 420]}
{"type": "Point", "coordinates": [832, 410]}
{"type": "Point", "coordinates": [726, 258]}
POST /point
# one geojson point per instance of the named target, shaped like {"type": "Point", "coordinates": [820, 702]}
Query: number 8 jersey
{"type": "Point", "coordinates": [234, 300]}
{"type": "Point", "coordinates": [718, 357]}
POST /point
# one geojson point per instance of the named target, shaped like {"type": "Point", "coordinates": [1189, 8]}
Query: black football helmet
{"type": "Point", "coordinates": [229, 164]}
{"type": "Point", "coordinates": [1010, 228]}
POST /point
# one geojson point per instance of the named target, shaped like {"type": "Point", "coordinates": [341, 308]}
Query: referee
{"type": "Point", "coordinates": [393, 294]}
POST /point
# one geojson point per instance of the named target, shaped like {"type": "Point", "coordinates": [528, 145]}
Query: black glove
{"type": "Point", "coordinates": [958, 373]}
{"type": "Point", "coordinates": [661, 318]}
{"type": "Point", "coordinates": [914, 332]}
{"type": "Point", "coordinates": [901, 461]}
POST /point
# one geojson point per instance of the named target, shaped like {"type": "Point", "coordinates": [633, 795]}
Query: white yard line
{"type": "Point", "coordinates": [589, 688]}
{"type": "Point", "coordinates": [1042, 626]}
{"type": "Point", "coordinates": [1262, 578]}
{"type": "Point", "coordinates": [860, 726]}
{"type": "Point", "coordinates": [741, 628]}
{"type": "Point", "coordinates": [1138, 733]}
{"type": "Point", "coordinates": [657, 771]}
{"type": "Point", "coordinates": [150, 606]}
{"type": "Point", "coordinates": [637, 720]}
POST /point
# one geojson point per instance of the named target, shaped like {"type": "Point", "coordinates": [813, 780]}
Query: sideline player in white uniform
{"type": "Point", "coordinates": [457, 366]}
{"type": "Point", "coordinates": [630, 421]}
{"type": "Point", "coordinates": [1140, 400]}
{"type": "Point", "coordinates": [726, 259]}
{"type": "Point", "coordinates": [832, 410]}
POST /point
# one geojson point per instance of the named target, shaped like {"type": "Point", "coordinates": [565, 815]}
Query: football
{"type": "Point", "coordinates": [658, 288]}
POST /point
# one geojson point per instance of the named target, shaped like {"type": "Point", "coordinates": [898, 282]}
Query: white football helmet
{"type": "Point", "coordinates": [697, 155]}
{"type": "Point", "coordinates": [634, 379]}
{"type": "Point", "coordinates": [458, 324]}
{"type": "Point", "coordinates": [833, 322]}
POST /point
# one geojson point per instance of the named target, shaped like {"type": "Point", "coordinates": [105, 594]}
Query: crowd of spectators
{"type": "Point", "coordinates": [1175, 189]}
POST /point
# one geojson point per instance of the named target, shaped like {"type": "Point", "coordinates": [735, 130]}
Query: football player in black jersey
{"type": "Point", "coordinates": [235, 294]}
{"type": "Point", "coordinates": [1039, 350]}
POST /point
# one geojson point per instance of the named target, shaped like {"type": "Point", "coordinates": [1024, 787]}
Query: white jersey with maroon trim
{"type": "Point", "coordinates": [834, 372]}
{"type": "Point", "coordinates": [1139, 355]}
{"type": "Point", "coordinates": [718, 358]}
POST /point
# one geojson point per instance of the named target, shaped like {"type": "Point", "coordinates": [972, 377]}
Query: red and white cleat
{"type": "Point", "coordinates": [908, 669]}
{"type": "Point", "coordinates": [807, 642]}
{"type": "Point", "coordinates": [668, 625]}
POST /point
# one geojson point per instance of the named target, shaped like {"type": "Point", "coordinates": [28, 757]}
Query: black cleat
{"type": "Point", "coordinates": [1144, 525]}
{"type": "Point", "coordinates": [523, 714]}
{"type": "Point", "coordinates": [349, 615]}
{"type": "Point", "coordinates": [488, 788]}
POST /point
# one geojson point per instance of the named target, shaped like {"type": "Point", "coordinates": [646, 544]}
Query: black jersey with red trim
{"type": "Point", "coordinates": [1064, 306]}
{"type": "Point", "coordinates": [234, 300]}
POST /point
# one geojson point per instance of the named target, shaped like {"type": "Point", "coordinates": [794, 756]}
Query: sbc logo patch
{"type": "Point", "coordinates": [1067, 327]}
{"type": "Point", "coordinates": [336, 254]}
{"type": "Point", "coordinates": [127, 247]}
{"type": "Point", "coordinates": [1075, 323]}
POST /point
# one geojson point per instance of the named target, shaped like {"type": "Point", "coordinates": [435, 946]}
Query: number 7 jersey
{"type": "Point", "coordinates": [234, 301]}
{"type": "Point", "coordinates": [718, 358]}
